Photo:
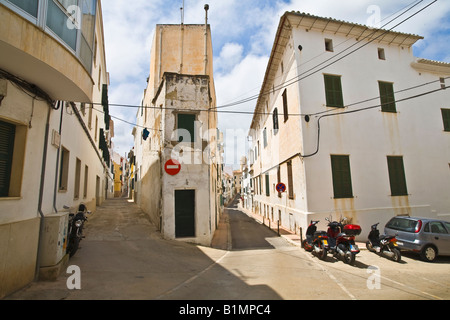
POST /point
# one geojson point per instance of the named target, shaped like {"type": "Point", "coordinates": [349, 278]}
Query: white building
{"type": "Point", "coordinates": [178, 121]}
{"type": "Point", "coordinates": [365, 136]}
{"type": "Point", "coordinates": [53, 152]}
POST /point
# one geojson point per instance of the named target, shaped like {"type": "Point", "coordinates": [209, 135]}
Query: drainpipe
{"type": "Point", "coordinates": [41, 194]}
{"type": "Point", "coordinates": [57, 159]}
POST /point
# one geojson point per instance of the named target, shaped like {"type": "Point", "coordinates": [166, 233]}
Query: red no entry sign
{"type": "Point", "coordinates": [172, 167]}
{"type": "Point", "coordinates": [281, 187]}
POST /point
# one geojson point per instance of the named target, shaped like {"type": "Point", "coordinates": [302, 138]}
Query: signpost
{"type": "Point", "coordinates": [172, 167]}
{"type": "Point", "coordinates": [281, 187]}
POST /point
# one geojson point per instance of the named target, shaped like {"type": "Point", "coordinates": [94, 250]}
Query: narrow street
{"type": "Point", "coordinates": [124, 257]}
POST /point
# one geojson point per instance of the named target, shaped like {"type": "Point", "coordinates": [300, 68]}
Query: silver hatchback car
{"type": "Point", "coordinates": [428, 237]}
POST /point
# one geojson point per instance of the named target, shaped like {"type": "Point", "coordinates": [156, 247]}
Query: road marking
{"type": "Point", "coordinates": [332, 277]}
{"type": "Point", "coordinates": [404, 285]}
{"type": "Point", "coordinates": [192, 278]}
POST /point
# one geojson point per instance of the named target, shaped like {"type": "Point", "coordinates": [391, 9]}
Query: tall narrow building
{"type": "Point", "coordinates": [177, 178]}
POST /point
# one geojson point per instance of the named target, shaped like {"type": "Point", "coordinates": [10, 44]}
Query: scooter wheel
{"type": "Point", "coordinates": [397, 255]}
{"type": "Point", "coordinates": [323, 254]}
{"type": "Point", "coordinates": [349, 258]}
{"type": "Point", "coordinates": [369, 246]}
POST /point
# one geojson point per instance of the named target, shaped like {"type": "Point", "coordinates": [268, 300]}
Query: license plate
{"type": "Point", "coordinates": [354, 248]}
{"type": "Point", "coordinates": [395, 244]}
{"type": "Point", "coordinates": [325, 242]}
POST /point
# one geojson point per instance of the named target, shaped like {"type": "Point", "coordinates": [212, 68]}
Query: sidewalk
{"type": "Point", "coordinates": [289, 235]}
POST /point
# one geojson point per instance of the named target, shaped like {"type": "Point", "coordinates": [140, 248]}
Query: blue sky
{"type": "Point", "coordinates": [243, 32]}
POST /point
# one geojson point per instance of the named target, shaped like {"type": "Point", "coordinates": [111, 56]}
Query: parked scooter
{"type": "Point", "coordinates": [75, 228]}
{"type": "Point", "coordinates": [307, 244]}
{"type": "Point", "coordinates": [383, 245]}
{"type": "Point", "coordinates": [341, 240]}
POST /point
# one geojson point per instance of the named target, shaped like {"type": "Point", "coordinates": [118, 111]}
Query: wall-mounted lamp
{"type": "Point", "coordinates": [300, 48]}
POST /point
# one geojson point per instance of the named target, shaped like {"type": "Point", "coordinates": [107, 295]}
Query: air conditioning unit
{"type": "Point", "coordinates": [54, 239]}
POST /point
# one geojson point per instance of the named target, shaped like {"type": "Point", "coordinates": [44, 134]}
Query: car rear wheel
{"type": "Point", "coordinates": [429, 253]}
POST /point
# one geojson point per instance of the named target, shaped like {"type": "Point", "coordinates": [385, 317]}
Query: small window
{"type": "Point", "coordinates": [329, 45]}
{"type": "Point", "coordinates": [86, 180]}
{"type": "Point", "coordinates": [76, 193]}
{"type": "Point", "coordinates": [285, 106]}
{"type": "Point", "coordinates": [387, 98]}
{"type": "Point", "coordinates": [397, 177]}
{"type": "Point", "coordinates": [342, 180]}
{"type": "Point", "coordinates": [275, 121]}
{"type": "Point", "coordinates": [381, 54]}
{"type": "Point", "coordinates": [265, 137]}
{"type": "Point", "coordinates": [7, 136]}
{"type": "Point", "coordinates": [64, 169]}
{"type": "Point", "coordinates": [333, 91]}
{"type": "Point", "coordinates": [446, 119]}
{"type": "Point", "coordinates": [186, 127]}
{"type": "Point", "coordinates": [290, 180]}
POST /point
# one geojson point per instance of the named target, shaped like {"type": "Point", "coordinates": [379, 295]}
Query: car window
{"type": "Point", "coordinates": [447, 224]}
{"type": "Point", "coordinates": [402, 224]}
{"type": "Point", "coordinates": [437, 227]}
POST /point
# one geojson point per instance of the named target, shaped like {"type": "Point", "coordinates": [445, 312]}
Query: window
{"type": "Point", "coordinates": [329, 45]}
{"type": "Point", "coordinates": [265, 137]}
{"type": "Point", "coordinates": [7, 136]}
{"type": "Point", "coordinates": [30, 7]}
{"type": "Point", "coordinates": [381, 54]}
{"type": "Point", "coordinates": [387, 96]}
{"type": "Point", "coordinates": [397, 177]}
{"type": "Point", "coordinates": [285, 106]}
{"type": "Point", "coordinates": [64, 169]}
{"type": "Point", "coordinates": [435, 227]}
{"type": "Point", "coordinates": [267, 185]}
{"type": "Point", "coordinates": [342, 181]}
{"type": "Point", "coordinates": [76, 193]}
{"type": "Point", "coordinates": [185, 127]}
{"type": "Point", "coordinates": [446, 119]}
{"type": "Point", "coordinates": [86, 180]}
{"type": "Point", "coordinates": [58, 18]}
{"type": "Point", "coordinates": [290, 180]}
{"type": "Point", "coordinates": [275, 121]}
{"type": "Point", "coordinates": [333, 91]}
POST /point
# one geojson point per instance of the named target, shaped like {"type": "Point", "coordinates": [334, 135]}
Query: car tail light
{"type": "Point", "coordinates": [418, 226]}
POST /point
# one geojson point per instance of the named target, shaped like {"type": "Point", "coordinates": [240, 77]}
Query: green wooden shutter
{"type": "Point", "coordinates": [397, 177]}
{"type": "Point", "coordinates": [7, 136]}
{"type": "Point", "coordinates": [184, 213]}
{"type": "Point", "coordinates": [333, 91]}
{"type": "Point", "coordinates": [187, 122]}
{"type": "Point", "coordinates": [387, 97]}
{"type": "Point", "coordinates": [290, 180]}
{"type": "Point", "coordinates": [446, 119]}
{"type": "Point", "coordinates": [275, 121]}
{"type": "Point", "coordinates": [342, 180]}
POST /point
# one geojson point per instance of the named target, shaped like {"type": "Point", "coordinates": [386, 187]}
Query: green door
{"type": "Point", "coordinates": [184, 213]}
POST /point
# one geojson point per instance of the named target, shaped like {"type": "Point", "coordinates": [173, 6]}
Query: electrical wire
{"type": "Point", "coordinates": [301, 77]}
{"type": "Point", "coordinates": [364, 109]}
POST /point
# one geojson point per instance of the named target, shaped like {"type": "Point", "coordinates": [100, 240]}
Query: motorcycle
{"type": "Point", "coordinates": [384, 245]}
{"type": "Point", "coordinates": [307, 244]}
{"type": "Point", "coordinates": [341, 240]}
{"type": "Point", "coordinates": [75, 228]}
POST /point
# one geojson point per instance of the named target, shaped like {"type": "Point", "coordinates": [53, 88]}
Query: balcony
{"type": "Point", "coordinates": [37, 45]}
